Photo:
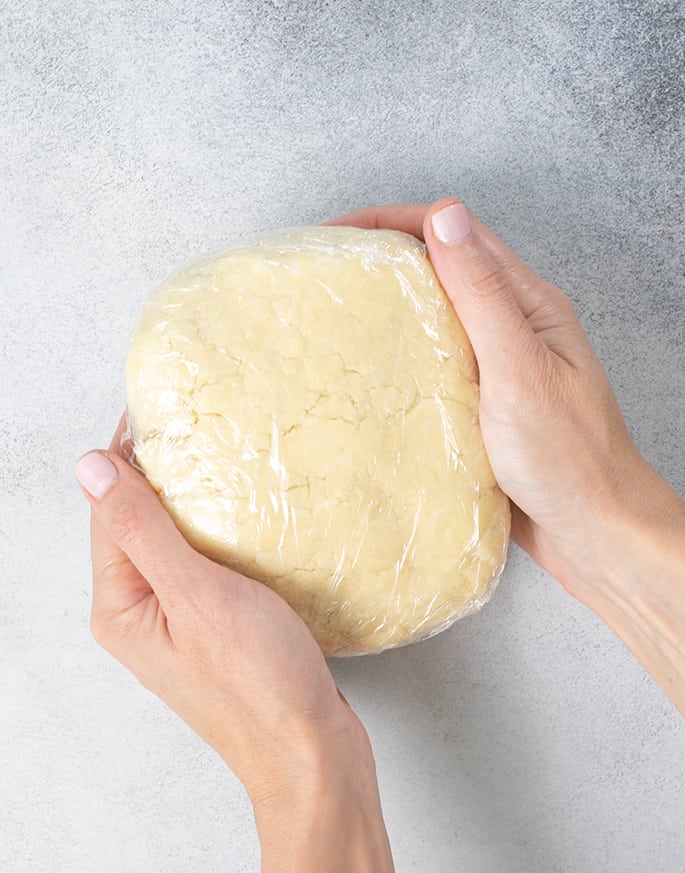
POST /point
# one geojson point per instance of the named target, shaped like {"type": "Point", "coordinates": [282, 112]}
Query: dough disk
{"type": "Point", "coordinates": [306, 406]}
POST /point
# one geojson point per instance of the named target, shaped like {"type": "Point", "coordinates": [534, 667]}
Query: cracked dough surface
{"type": "Point", "coordinates": [305, 404]}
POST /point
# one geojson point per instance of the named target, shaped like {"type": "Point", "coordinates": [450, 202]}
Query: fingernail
{"type": "Point", "coordinates": [451, 224]}
{"type": "Point", "coordinates": [126, 447]}
{"type": "Point", "coordinates": [96, 474]}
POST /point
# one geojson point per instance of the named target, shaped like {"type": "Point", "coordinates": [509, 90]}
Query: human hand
{"type": "Point", "coordinates": [586, 506]}
{"type": "Point", "coordinates": [236, 663]}
{"type": "Point", "coordinates": [555, 436]}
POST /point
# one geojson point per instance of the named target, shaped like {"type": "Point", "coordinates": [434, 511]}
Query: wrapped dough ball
{"type": "Point", "coordinates": [306, 406]}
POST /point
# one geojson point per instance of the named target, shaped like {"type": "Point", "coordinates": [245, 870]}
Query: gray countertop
{"type": "Point", "coordinates": [134, 136]}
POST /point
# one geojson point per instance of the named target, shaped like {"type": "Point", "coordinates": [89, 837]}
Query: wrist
{"type": "Point", "coordinates": [322, 813]}
{"type": "Point", "coordinates": [624, 533]}
{"type": "Point", "coordinates": [639, 540]}
{"type": "Point", "coordinates": [638, 584]}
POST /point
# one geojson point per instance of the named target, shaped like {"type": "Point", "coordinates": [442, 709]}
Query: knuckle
{"type": "Point", "coordinates": [113, 629]}
{"type": "Point", "coordinates": [489, 282]}
{"type": "Point", "coordinates": [99, 629]}
{"type": "Point", "coordinates": [515, 400]}
{"type": "Point", "coordinates": [501, 403]}
{"type": "Point", "coordinates": [564, 305]}
{"type": "Point", "coordinates": [126, 523]}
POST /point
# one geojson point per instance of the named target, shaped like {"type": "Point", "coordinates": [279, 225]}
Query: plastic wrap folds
{"type": "Point", "coordinates": [306, 405]}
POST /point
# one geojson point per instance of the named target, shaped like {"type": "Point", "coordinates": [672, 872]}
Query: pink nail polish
{"type": "Point", "coordinates": [451, 224]}
{"type": "Point", "coordinates": [96, 474]}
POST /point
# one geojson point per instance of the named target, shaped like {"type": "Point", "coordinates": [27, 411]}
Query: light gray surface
{"type": "Point", "coordinates": [135, 136]}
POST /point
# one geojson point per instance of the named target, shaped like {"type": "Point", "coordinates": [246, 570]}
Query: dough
{"type": "Point", "coordinates": [306, 406]}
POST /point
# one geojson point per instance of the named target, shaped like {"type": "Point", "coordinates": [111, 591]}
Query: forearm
{"type": "Point", "coordinates": [326, 816]}
{"type": "Point", "coordinates": [333, 827]}
{"type": "Point", "coordinates": [642, 595]}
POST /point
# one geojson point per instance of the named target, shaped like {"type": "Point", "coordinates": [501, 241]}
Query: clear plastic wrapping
{"type": "Point", "coordinates": [306, 405]}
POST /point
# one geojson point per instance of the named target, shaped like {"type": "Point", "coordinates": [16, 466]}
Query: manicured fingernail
{"type": "Point", "coordinates": [451, 224]}
{"type": "Point", "coordinates": [96, 474]}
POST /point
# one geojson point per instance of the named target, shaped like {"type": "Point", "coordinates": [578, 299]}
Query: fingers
{"type": "Point", "coordinates": [407, 217]}
{"type": "Point", "coordinates": [131, 525]}
{"type": "Point", "coordinates": [120, 592]}
{"type": "Point", "coordinates": [530, 290]}
{"type": "Point", "coordinates": [122, 444]}
{"type": "Point", "coordinates": [480, 291]}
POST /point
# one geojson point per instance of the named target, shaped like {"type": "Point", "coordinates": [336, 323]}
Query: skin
{"type": "Point", "coordinates": [240, 667]}
{"type": "Point", "coordinates": [244, 672]}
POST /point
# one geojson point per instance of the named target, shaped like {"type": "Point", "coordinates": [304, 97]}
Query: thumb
{"type": "Point", "coordinates": [479, 289]}
{"type": "Point", "coordinates": [137, 525]}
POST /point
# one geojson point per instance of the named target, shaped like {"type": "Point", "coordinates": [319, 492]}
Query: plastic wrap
{"type": "Point", "coordinates": [306, 405]}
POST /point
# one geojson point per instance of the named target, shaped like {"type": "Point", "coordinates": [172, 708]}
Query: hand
{"type": "Point", "coordinates": [554, 433]}
{"type": "Point", "coordinates": [236, 663]}
{"type": "Point", "coordinates": [586, 506]}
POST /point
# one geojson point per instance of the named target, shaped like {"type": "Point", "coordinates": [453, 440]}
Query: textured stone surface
{"type": "Point", "coordinates": [135, 136]}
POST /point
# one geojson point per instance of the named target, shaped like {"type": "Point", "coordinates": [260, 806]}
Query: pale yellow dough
{"type": "Point", "coordinates": [306, 405]}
